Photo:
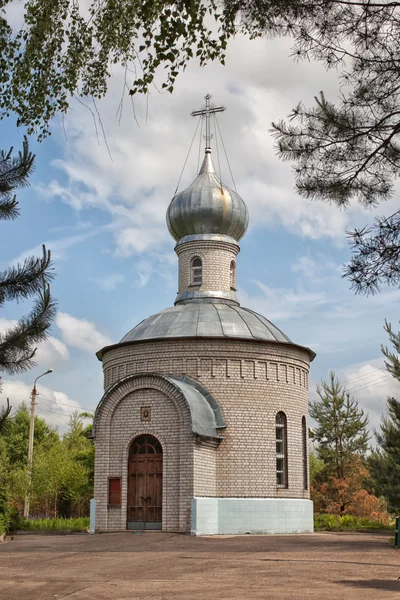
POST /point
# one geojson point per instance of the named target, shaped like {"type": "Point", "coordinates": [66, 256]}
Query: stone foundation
{"type": "Point", "coordinates": [212, 516]}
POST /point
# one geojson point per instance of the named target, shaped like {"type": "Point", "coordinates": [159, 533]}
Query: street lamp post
{"type": "Point", "coordinates": [30, 445]}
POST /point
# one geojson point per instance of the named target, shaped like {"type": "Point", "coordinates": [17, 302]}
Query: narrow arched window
{"type": "Point", "coordinates": [233, 274]}
{"type": "Point", "coordinates": [281, 450]}
{"type": "Point", "coordinates": [196, 271]}
{"type": "Point", "coordinates": [305, 459]}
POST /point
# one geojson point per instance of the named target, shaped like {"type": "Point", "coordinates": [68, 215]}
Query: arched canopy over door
{"type": "Point", "coordinates": [145, 467]}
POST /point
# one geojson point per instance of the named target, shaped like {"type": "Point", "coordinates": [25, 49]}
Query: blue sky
{"type": "Point", "coordinates": [104, 220]}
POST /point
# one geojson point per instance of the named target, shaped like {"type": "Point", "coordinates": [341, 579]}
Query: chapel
{"type": "Point", "coordinates": [202, 427]}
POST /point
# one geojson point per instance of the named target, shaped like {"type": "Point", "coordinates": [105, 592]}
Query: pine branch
{"type": "Point", "coordinates": [22, 281]}
{"type": "Point", "coordinates": [375, 255]}
{"type": "Point", "coordinates": [17, 344]}
{"type": "Point", "coordinates": [8, 207]}
{"type": "Point", "coordinates": [14, 171]}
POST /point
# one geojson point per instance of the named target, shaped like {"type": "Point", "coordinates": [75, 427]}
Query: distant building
{"type": "Point", "coordinates": [203, 424]}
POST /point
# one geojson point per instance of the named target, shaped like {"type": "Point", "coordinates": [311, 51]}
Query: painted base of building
{"type": "Point", "coordinates": [213, 516]}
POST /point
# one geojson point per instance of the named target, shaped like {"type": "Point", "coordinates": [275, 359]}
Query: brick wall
{"type": "Point", "coordinates": [252, 381]}
{"type": "Point", "coordinates": [118, 423]}
{"type": "Point", "coordinates": [205, 468]}
{"type": "Point", "coordinates": [216, 257]}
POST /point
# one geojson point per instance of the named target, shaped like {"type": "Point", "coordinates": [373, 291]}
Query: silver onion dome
{"type": "Point", "coordinates": [207, 206]}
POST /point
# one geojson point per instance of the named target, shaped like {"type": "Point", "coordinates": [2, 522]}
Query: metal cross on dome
{"type": "Point", "coordinates": [206, 112]}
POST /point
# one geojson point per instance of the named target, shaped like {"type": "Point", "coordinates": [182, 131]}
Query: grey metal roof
{"type": "Point", "coordinates": [205, 413]}
{"type": "Point", "coordinates": [207, 206]}
{"type": "Point", "coordinates": [206, 319]}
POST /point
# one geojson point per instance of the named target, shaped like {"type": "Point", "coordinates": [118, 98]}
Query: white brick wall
{"type": "Point", "coordinates": [216, 257]}
{"type": "Point", "coordinates": [251, 380]}
{"type": "Point", "coordinates": [119, 423]}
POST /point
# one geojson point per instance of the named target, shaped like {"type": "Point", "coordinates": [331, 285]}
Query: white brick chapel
{"type": "Point", "coordinates": [202, 427]}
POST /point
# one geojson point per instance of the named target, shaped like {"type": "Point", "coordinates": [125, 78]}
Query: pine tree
{"type": "Point", "coordinates": [392, 363]}
{"type": "Point", "coordinates": [341, 427]}
{"type": "Point", "coordinates": [27, 280]}
{"type": "Point", "coordinates": [385, 461]}
{"type": "Point", "coordinates": [4, 416]}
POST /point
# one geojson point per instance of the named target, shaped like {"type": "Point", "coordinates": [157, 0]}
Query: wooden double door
{"type": "Point", "coordinates": [145, 470]}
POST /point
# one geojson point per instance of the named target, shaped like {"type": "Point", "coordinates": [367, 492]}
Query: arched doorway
{"type": "Point", "coordinates": [145, 467]}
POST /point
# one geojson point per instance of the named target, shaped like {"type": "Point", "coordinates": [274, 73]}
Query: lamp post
{"type": "Point", "coordinates": [30, 445]}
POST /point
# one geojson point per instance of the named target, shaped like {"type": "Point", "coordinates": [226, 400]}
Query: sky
{"type": "Point", "coordinates": [98, 202]}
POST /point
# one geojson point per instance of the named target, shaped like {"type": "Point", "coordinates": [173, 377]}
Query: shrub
{"type": "Point", "coordinates": [78, 524]}
{"type": "Point", "coordinates": [348, 522]}
{"type": "Point", "coordinates": [326, 522]}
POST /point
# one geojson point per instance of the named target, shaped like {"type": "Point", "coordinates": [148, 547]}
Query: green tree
{"type": "Point", "coordinates": [340, 432]}
{"type": "Point", "coordinates": [4, 416]}
{"type": "Point", "coordinates": [57, 477]}
{"type": "Point", "coordinates": [392, 362]}
{"type": "Point", "coordinates": [63, 467]}
{"type": "Point", "coordinates": [316, 467]}
{"type": "Point", "coordinates": [17, 436]}
{"type": "Point", "coordinates": [13, 458]}
{"type": "Point", "coordinates": [81, 450]}
{"type": "Point", "coordinates": [28, 280]}
{"type": "Point", "coordinates": [385, 461]}
{"type": "Point", "coordinates": [4, 485]}
{"type": "Point", "coordinates": [79, 443]}
{"type": "Point", "coordinates": [17, 344]}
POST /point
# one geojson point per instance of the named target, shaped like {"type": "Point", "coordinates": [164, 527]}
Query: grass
{"type": "Point", "coordinates": [324, 522]}
{"type": "Point", "coordinates": [79, 524]}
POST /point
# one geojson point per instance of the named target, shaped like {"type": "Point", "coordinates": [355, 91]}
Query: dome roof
{"type": "Point", "coordinates": [207, 206]}
{"type": "Point", "coordinates": [206, 319]}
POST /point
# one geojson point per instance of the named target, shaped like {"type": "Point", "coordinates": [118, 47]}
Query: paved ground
{"type": "Point", "coordinates": [162, 566]}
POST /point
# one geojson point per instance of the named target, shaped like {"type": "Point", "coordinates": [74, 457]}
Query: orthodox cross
{"type": "Point", "coordinates": [206, 112]}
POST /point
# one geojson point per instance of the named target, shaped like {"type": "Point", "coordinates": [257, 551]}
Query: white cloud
{"type": "Point", "coordinates": [54, 406]}
{"type": "Point", "coordinates": [319, 311]}
{"type": "Point", "coordinates": [137, 185]}
{"type": "Point", "coordinates": [372, 384]}
{"type": "Point", "coordinates": [81, 333]}
{"type": "Point", "coordinates": [50, 354]}
{"type": "Point", "coordinates": [144, 270]}
{"type": "Point", "coordinates": [109, 282]}
{"type": "Point", "coordinates": [137, 240]}
{"type": "Point", "coordinates": [314, 269]}
{"type": "Point", "coordinates": [58, 247]}
{"type": "Point", "coordinates": [78, 226]}
{"type": "Point", "coordinates": [283, 303]}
